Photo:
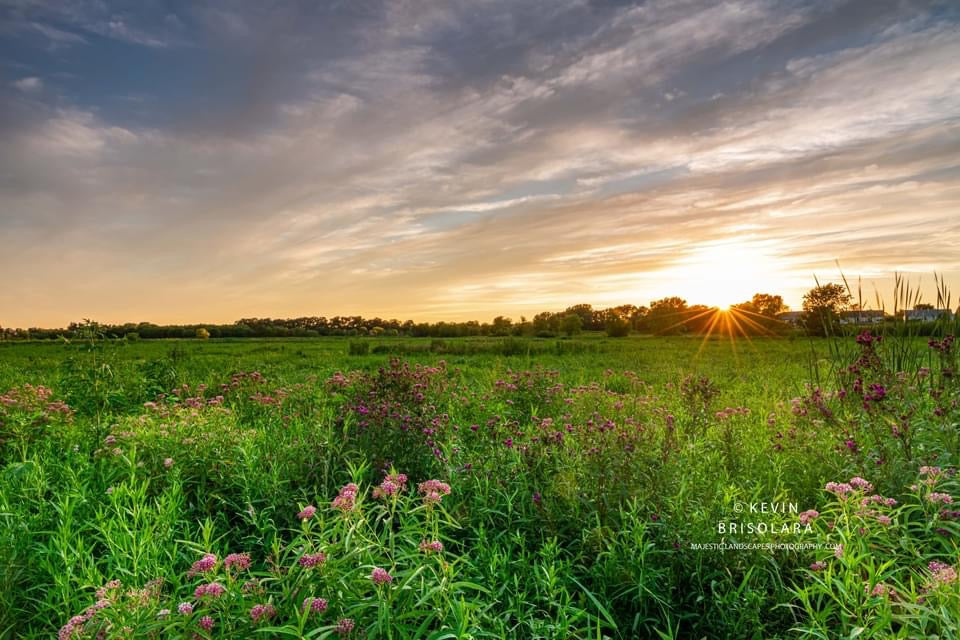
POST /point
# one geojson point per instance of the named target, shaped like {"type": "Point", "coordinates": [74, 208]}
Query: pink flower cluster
{"type": "Point", "coordinates": [944, 498]}
{"type": "Point", "coordinates": [808, 516]}
{"type": "Point", "coordinates": [392, 484]}
{"type": "Point", "coordinates": [212, 589]}
{"type": "Point", "coordinates": [315, 605]}
{"type": "Point", "coordinates": [434, 546]}
{"type": "Point", "coordinates": [344, 626]}
{"type": "Point", "coordinates": [239, 560]}
{"type": "Point", "coordinates": [74, 626]}
{"type": "Point", "coordinates": [310, 560]}
{"type": "Point", "coordinates": [842, 489]}
{"type": "Point", "coordinates": [729, 412]}
{"type": "Point", "coordinates": [206, 623]}
{"type": "Point", "coordinates": [942, 573]}
{"type": "Point", "coordinates": [380, 576]}
{"type": "Point", "coordinates": [308, 512]}
{"type": "Point", "coordinates": [433, 491]}
{"type": "Point", "coordinates": [262, 612]}
{"type": "Point", "coordinates": [185, 608]}
{"type": "Point", "coordinates": [204, 565]}
{"type": "Point", "coordinates": [347, 498]}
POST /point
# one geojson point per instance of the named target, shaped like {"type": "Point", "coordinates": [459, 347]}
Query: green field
{"type": "Point", "coordinates": [581, 488]}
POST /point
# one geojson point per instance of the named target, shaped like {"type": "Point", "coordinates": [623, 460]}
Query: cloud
{"type": "Point", "coordinates": [426, 160]}
{"type": "Point", "coordinates": [28, 84]}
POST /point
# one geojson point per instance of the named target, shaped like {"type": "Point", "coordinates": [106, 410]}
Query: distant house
{"type": "Point", "coordinates": [791, 317]}
{"type": "Point", "coordinates": [862, 316]}
{"type": "Point", "coordinates": [929, 315]}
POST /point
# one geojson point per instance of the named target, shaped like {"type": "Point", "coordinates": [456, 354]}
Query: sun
{"type": "Point", "coordinates": [723, 274]}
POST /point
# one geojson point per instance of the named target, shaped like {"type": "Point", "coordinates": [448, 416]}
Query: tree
{"type": "Point", "coordinates": [501, 326]}
{"type": "Point", "coordinates": [617, 327]}
{"type": "Point", "coordinates": [586, 313]}
{"type": "Point", "coordinates": [667, 315]}
{"type": "Point", "coordinates": [571, 324]}
{"type": "Point", "coordinates": [822, 306]}
{"type": "Point", "coordinates": [202, 334]}
{"type": "Point", "coordinates": [767, 304]}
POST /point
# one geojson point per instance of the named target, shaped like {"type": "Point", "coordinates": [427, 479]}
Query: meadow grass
{"type": "Point", "coordinates": [468, 488]}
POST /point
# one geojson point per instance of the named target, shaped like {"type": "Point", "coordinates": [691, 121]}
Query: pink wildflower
{"type": "Point", "coordinates": [935, 497]}
{"type": "Point", "coordinates": [206, 623]}
{"type": "Point", "coordinates": [307, 512]}
{"type": "Point", "coordinates": [380, 576]}
{"type": "Point", "coordinates": [431, 547]}
{"type": "Point", "coordinates": [808, 516]}
{"type": "Point", "coordinates": [315, 605]}
{"type": "Point", "coordinates": [168, 462]}
{"type": "Point", "coordinates": [262, 612]}
{"type": "Point", "coordinates": [185, 608]}
{"type": "Point", "coordinates": [239, 560]}
{"type": "Point", "coordinates": [859, 483]}
{"type": "Point", "coordinates": [344, 626]}
{"type": "Point", "coordinates": [310, 560]}
{"type": "Point", "coordinates": [820, 565]}
{"type": "Point", "coordinates": [204, 565]}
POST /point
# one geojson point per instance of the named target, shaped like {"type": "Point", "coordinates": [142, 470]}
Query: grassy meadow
{"type": "Point", "coordinates": [644, 487]}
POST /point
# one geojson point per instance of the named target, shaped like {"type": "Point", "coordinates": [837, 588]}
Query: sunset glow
{"type": "Point", "coordinates": [442, 161]}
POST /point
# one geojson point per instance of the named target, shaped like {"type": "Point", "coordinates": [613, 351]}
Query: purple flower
{"type": "Point", "coordinates": [380, 576]}
{"type": "Point", "coordinates": [344, 626]}
{"type": "Point", "coordinates": [206, 623]}
{"type": "Point", "coordinates": [239, 560]}
{"type": "Point", "coordinates": [185, 608]}
{"type": "Point", "coordinates": [315, 605]}
{"type": "Point", "coordinates": [310, 560]}
{"type": "Point", "coordinates": [819, 565]}
{"type": "Point", "coordinates": [204, 565]}
{"type": "Point", "coordinates": [262, 612]}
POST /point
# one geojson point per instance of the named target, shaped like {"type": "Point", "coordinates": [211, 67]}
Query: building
{"type": "Point", "coordinates": [929, 315]}
{"type": "Point", "coordinates": [791, 317]}
{"type": "Point", "coordinates": [862, 316]}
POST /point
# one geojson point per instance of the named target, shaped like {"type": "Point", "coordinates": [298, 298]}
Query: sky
{"type": "Point", "coordinates": [203, 162]}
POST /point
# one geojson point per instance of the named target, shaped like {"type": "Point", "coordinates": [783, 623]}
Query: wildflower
{"type": "Point", "coordinates": [239, 560]}
{"type": "Point", "coordinates": [346, 499]}
{"type": "Point", "coordinates": [838, 552]}
{"type": "Point", "coordinates": [808, 516]}
{"type": "Point", "coordinates": [315, 605]}
{"type": "Point", "coordinates": [307, 512]}
{"type": "Point", "coordinates": [884, 520]}
{"type": "Point", "coordinates": [859, 483]}
{"type": "Point", "coordinates": [167, 462]}
{"type": "Point", "coordinates": [344, 626]}
{"type": "Point", "coordinates": [109, 491]}
{"type": "Point", "coordinates": [104, 591]}
{"type": "Point", "coordinates": [434, 546]}
{"type": "Point", "coordinates": [185, 608]}
{"type": "Point", "coordinates": [819, 565]}
{"type": "Point", "coordinates": [433, 491]}
{"type": "Point", "coordinates": [262, 612]}
{"type": "Point", "coordinates": [163, 613]}
{"type": "Point", "coordinates": [935, 497]}
{"type": "Point", "coordinates": [942, 573]}
{"type": "Point", "coordinates": [206, 623]}
{"type": "Point", "coordinates": [110, 440]}
{"type": "Point", "coordinates": [838, 488]}
{"type": "Point", "coordinates": [310, 560]}
{"type": "Point", "coordinates": [213, 589]}
{"type": "Point", "coordinates": [879, 590]}
{"type": "Point", "coordinates": [537, 498]}
{"type": "Point", "coordinates": [380, 576]}
{"type": "Point", "coordinates": [204, 565]}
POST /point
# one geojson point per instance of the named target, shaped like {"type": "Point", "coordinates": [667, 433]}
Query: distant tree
{"type": "Point", "coordinates": [768, 304]}
{"type": "Point", "coordinates": [501, 326]}
{"type": "Point", "coordinates": [586, 313]}
{"type": "Point", "coordinates": [822, 307]}
{"type": "Point", "coordinates": [617, 327]}
{"type": "Point", "coordinates": [923, 305]}
{"type": "Point", "coordinates": [571, 324]}
{"type": "Point", "coordinates": [202, 334]}
{"type": "Point", "coordinates": [667, 315]}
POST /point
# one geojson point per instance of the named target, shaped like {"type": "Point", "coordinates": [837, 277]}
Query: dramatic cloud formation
{"type": "Point", "coordinates": [404, 158]}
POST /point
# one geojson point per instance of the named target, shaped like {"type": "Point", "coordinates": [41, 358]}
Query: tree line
{"type": "Point", "coordinates": [761, 315]}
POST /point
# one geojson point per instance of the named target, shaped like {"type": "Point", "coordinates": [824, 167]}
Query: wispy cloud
{"type": "Point", "coordinates": [425, 160]}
